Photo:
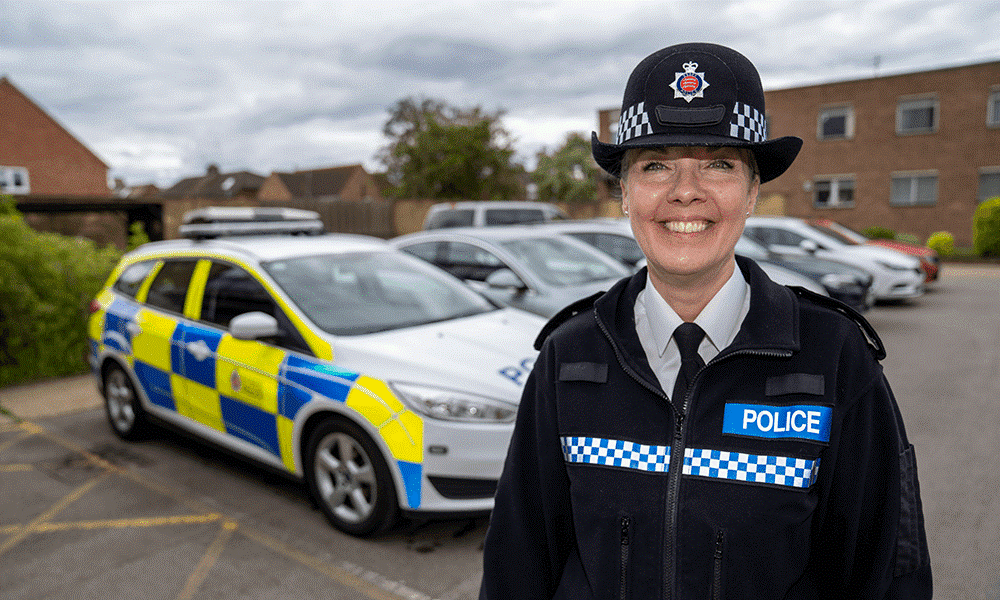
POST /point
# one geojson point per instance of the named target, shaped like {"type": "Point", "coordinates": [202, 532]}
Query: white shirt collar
{"type": "Point", "coordinates": [720, 319]}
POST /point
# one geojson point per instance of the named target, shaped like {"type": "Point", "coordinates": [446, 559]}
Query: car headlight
{"type": "Point", "coordinates": [893, 267]}
{"type": "Point", "coordinates": [453, 405]}
{"type": "Point", "coordinates": [837, 282]}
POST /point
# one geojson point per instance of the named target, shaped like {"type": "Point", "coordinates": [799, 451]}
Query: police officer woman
{"type": "Point", "coordinates": [698, 431]}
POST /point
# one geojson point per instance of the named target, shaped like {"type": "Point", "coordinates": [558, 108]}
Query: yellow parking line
{"type": "Point", "coordinates": [208, 560]}
{"type": "Point", "coordinates": [51, 512]}
{"type": "Point", "coordinates": [125, 523]}
{"type": "Point", "coordinates": [340, 575]}
{"type": "Point", "coordinates": [14, 468]}
{"type": "Point", "coordinates": [14, 440]}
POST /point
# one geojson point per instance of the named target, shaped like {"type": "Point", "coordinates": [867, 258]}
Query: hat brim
{"type": "Point", "coordinates": [773, 156]}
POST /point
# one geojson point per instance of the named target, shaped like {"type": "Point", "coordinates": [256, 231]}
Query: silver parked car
{"type": "Point", "coordinates": [518, 266]}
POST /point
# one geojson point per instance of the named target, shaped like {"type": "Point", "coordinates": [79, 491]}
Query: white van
{"type": "Point", "coordinates": [482, 213]}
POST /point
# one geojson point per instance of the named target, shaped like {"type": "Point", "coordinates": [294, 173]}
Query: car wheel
{"type": "Point", "coordinates": [349, 479]}
{"type": "Point", "coordinates": [121, 402]}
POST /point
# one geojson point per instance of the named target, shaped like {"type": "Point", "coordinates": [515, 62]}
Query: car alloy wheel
{"type": "Point", "coordinates": [348, 478]}
{"type": "Point", "coordinates": [125, 414]}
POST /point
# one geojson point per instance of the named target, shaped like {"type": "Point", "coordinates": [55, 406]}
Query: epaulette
{"type": "Point", "coordinates": [564, 315]}
{"type": "Point", "coordinates": [871, 336]}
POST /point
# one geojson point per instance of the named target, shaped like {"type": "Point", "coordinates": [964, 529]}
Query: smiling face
{"type": "Point", "coordinates": [687, 207]}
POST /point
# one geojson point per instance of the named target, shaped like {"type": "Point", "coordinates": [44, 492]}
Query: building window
{"type": "Point", "coordinates": [835, 123]}
{"type": "Point", "coordinates": [914, 189]}
{"type": "Point", "coordinates": [989, 184]}
{"type": "Point", "coordinates": [14, 180]}
{"type": "Point", "coordinates": [919, 115]}
{"type": "Point", "coordinates": [993, 110]}
{"type": "Point", "coordinates": [833, 192]}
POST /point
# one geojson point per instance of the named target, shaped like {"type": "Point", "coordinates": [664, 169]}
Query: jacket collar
{"type": "Point", "coordinates": [772, 324]}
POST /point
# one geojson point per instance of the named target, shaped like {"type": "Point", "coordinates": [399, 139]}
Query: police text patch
{"type": "Point", "coordinates": [804, 421]}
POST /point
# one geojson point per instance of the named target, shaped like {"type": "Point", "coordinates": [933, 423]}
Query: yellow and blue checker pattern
{"type": "Point", "coordinates": [715, 464]}
{"type": "Point", "coordinates": [247, 389]}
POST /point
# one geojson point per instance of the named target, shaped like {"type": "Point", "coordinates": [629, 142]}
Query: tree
{"type": "Point", "coordinates": [442, 152]}
{"type": "Point", "coordinates": [568, 174]}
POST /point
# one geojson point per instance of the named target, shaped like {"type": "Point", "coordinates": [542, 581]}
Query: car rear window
{"type": "Point", "coordinates": [170, 286]}
{"type": "Point", "coordinates": [450, 218]}
{"type": "Point", "coordinates": [132, 277]}
{"type": "Point", "coordinates": [513, 216]}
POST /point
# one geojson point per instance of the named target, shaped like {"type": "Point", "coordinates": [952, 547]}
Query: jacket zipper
{"type": "Point", "coordinates": [720, 540]}
{"type": "Point", "coordinates": [626, 524]}
{"type": "Point", "coordinates": [677, 447]}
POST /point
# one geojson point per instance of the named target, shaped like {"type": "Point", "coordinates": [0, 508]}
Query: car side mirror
{"type": "Point", "coordinates": [505, 278]}
{"type": "Point", "coordinates": [254, 326]}
{"type": "Point", "coordinates": [809, 246]}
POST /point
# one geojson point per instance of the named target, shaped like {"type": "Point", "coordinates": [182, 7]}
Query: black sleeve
{"type": "Point", "coordinates": [531, 531]}
{"type": "Point", "coordinates": [871, 541]}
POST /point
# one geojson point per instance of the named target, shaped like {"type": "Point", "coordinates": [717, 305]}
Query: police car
{"type": "Point", "coordinates": [383, 382]}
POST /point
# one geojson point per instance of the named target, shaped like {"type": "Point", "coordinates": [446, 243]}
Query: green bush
{"type": "Point", "coordinates": [876, 232]}
{"type": "Point", "coordinates": [942, 242]}
{"type": "Point", "coordinates": [136, 235]}
{"type": "Point", "coordinates": [46, 284]}
{"type": "Point", "coordinates": [908, 238]}
{"type": "Point", "coordinates": [986, 228]}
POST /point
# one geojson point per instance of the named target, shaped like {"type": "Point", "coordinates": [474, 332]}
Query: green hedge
{"type": "Point", "coordinates": [986, 228]}
{"type": "Point", "coordinates": [942, 242]}
{"type": "Point", "coordinates": [46, 284]}
{"type": "Point", "coordinates": [876, 232]}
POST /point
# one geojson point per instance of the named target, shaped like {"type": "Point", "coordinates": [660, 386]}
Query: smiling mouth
{"type": "Point", "coordinates": [686, 226]}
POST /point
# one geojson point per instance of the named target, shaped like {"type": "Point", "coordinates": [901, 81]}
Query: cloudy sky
{"type": "Point", "coordinates": [159, 90]}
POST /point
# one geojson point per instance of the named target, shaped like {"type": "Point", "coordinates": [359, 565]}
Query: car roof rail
{"type": "Point", "coordinates": [221, 221]}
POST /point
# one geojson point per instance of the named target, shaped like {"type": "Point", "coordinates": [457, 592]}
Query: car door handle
{"type": "Point", "coordinates": [199, 350]}
{"type": "Point", "coordinates": [133, 328]}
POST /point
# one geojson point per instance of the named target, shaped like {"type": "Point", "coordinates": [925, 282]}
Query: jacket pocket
{"type": "Point", "coordinates": [911, 541]}
{"type": "Point", "coordinates": [718, 556]}
{"type": "Point", "coordinates": [624, 551]}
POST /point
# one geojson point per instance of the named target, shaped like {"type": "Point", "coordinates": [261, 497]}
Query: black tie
{"type": "Point", "coordinates": [688, 337]}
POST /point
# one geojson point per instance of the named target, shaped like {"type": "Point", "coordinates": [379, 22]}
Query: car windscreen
{"type": "Point", "coordinates": [368, 292]}
{"type": "Point", "coordinates": [840, 237]}
{"type": "Point", "coordinates": [560, 263]}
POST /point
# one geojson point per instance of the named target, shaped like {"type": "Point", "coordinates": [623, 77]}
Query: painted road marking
{"type": "Point", "coordinates": [366, 583]}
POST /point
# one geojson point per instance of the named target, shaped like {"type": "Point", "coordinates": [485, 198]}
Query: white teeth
{"type": "Point", "coordinates": [686, 226]}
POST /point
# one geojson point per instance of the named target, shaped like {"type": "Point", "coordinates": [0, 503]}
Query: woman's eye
{"type": "Point", "coordinates": [721, 164]}
{"type": "Point", "coordinates": [652, 166]}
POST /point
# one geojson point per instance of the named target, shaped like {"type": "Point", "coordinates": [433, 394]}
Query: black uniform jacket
{"type": "Point", "coordinates": [784, 472]}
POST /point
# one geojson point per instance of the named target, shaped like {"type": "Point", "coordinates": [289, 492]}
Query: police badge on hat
{"type": "Point", "coordinates": [689, 84]}
{"type": "Point", "coordinates": [666, 104]}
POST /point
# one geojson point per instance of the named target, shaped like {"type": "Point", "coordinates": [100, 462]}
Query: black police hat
{"type": "Point", "coordinates": [696, 94]}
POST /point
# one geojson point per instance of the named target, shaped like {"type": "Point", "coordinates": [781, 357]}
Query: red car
{"type": "Point", "coordinates": [929, 260]}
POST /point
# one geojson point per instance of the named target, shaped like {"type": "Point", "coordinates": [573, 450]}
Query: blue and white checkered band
{"type": "Point", "coordinates": [616, 453]}
{"type": "Point", "coordinates": [631, 122]}
{"type": "Point", "coordinates": [748, 124]}
{"type": "Point", "coordinates": [736, 466]}
{"type": "Point", "coordinates": [715, 464]}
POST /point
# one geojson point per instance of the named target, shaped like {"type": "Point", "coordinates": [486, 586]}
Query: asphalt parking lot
{"type": "Point", "coordinates": [88, 516]}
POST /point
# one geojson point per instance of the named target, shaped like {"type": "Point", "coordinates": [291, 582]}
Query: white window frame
{"type": "Point", "coordinates": [913, 177]}
{"type": "Point", "coordinates": [835, 182]}
{"type": "Point", "coordinates": [15, 181]}
{"type": "Point", "coordinates": [983, 173]}
{"type": "Point", "coordinates": [845, 111]}
{"type": "Point", "coordinates": [993, 109]}
{"type": "Point", "coordinates": [918, 103]}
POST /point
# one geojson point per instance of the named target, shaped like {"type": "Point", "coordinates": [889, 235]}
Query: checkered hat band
{"type": "Point", "coordinates": [633, 122]}
{"type": "Point", "coordinates": [748, 124]}
{"type": "Point", "coordinates": [751, 468]}
{"type": "Point", "coordinates": [735, 466]}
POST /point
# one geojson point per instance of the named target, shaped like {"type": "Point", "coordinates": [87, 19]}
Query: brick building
{"type": "Point", "coordinates": [348, 182]}
{"type": "Point", "coordinates": [915, 152]}
{"type": "Point", "coordinates": [39, 156]}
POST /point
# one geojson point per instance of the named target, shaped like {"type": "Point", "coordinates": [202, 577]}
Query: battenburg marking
{"type": "Point", "coordinates": [807, 422]}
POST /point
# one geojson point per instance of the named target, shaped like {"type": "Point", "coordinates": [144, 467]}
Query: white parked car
{"type": "Point", "coordinates": [490, 213]}
{"type": "Point", "coordinates": [896, 276]}
{"type": "Point", "coordinates": [383, 382]}
{"type": "Point", "coordinates": [519, 266]}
